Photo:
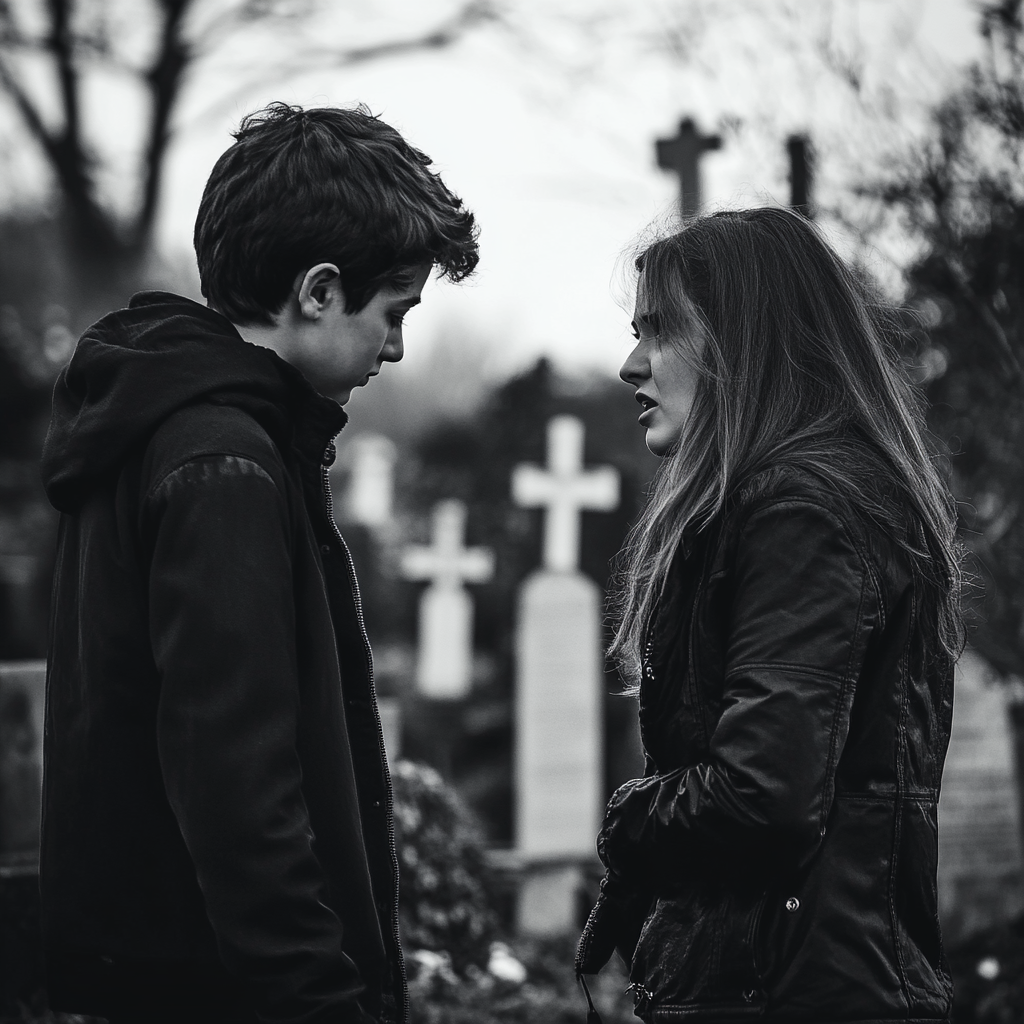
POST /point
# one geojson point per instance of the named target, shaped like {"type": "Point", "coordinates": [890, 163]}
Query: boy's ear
{"type": "Point", "coordinates": [317, 289]}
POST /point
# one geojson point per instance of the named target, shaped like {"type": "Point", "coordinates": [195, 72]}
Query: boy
{"type": "Point", "coordinates": [217, 841]}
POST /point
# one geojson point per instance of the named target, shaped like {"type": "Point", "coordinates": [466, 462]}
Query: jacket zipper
{"type": "Point", "coordinates": [403, 1007]}
{"type": "Point", "coordinates": [755, 927]}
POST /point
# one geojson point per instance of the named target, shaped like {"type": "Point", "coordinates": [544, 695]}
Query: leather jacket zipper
{"type": "Point", "coordinates": [755, 927]}
{"type": "Point", "coordinates": [403, 1006]}
{"type": "Point", "coordinates": [642, 998]}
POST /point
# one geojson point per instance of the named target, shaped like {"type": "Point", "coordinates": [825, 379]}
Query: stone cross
{"type": "Point", "coordinates": [370, 459]}
{"type": "Point", "coordinates": [682, 155]}
{"type": "Point", "coordinates": [564, 489]}
{"type": "Point", "coordinates": [559, 694]}
{"type": "Point", "coordinates": [444, 666]}
{"type": "Point", "coordinates": [801, 173]}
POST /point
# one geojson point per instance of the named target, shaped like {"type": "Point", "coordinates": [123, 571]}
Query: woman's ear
{"type": "Point", "coordinates": [318, 288]}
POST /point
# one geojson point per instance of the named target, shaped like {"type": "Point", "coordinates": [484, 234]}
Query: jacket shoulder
{"type": "Point", "coordinates": [781, 483]}
{"type": "Point", "coordinates": [796, 486]}
{"type": "Point", "coordinates": [808, 500]}
{"type": "Point", "coordinates": [207, 429]}
{"type": "Point", "coordinates": [793, 502]}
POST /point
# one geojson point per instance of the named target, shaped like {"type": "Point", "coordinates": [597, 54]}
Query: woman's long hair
{"type": "Point", "coordinates": [795, 368]}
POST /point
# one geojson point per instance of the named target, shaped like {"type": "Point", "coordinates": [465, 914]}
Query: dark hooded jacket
{"type": "Point", "coordinates": [779, 858]}
{"type": "Point", "coordinates": [217, 840]}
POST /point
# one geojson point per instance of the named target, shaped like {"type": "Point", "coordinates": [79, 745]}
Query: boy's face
{"type": "Point", "coordinates": [339, 351]}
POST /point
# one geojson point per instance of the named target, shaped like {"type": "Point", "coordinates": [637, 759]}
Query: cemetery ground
{"type": "Point", "coordinates": [466, 965]}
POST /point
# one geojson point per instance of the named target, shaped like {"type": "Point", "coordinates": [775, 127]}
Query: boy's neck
{"type": "Point", "coordinates": [275, 336]}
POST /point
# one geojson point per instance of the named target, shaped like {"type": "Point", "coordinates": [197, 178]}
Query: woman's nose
{"type": "Point", "coordinates": [634, 369]}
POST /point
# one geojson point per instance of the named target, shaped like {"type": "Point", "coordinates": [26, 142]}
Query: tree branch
{"type": "Point", "coordinates": [219, 27]}
{"type": "Point", "coordinates": [447, 33]}
{"type": "Point", "coordinates": [473, 13]}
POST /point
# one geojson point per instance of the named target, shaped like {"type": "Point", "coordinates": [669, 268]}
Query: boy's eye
{"type": "Point", "coordinates": [397, 319]}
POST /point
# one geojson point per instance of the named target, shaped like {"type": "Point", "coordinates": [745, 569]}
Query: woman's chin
{"type": "Point", "coordinates": [657, 444]}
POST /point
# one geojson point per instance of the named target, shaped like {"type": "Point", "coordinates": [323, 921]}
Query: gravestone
{"type": "Point", "coordinates": [390, 710]}
{"type": "Point", "coordinates": [369, 461]}
{"type": "Point", "coordinates": [681, 155]}
{"type": "Point", "coordinates": [980, 859]}
{"type": "Point", "coordinates": [444, 666]}
{"type": "Point", "coordinates": [559, 681]}
{"type": "Point", "coordinates": [22, 702]}
{"type": "Point", "coordinates": [801, 173]}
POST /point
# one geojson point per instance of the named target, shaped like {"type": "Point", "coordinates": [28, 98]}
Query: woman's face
{"type": "Point", "coordinates": [663, 371]}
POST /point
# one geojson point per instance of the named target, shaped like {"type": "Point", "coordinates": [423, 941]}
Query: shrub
{"type": "Point", "coordinates": [447, 898]}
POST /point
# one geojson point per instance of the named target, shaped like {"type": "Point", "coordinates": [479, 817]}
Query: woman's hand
{"type": "Point", "coordinates": [614, 923]}
{"type": "Point", "coordinates": [625, 842]}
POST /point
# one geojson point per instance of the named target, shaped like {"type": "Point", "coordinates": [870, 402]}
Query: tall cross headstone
{"type": "Point", "coordinates": [558, 686]}
{"type": "Point", "coordinates": [801, 173]}
{"type": "Point", "coordinates": [682, 156]}
{"type": "Point", "coordinates": [444, 665]}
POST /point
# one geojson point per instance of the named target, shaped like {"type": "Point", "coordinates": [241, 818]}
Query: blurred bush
{"type": "Point", "coordinates": [464, 966]}
{"type": "Point", "coordinates": [548, 995]}
{"type": "Point", "coordinates": [988, 976]}
{"type": "Point", "coordinates": [447, 893]}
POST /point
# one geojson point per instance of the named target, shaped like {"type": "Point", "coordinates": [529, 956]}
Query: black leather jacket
{"type": "Point", "coordinates": [779, 858]}
{"type": "Point", "coordinates": [217, 841]}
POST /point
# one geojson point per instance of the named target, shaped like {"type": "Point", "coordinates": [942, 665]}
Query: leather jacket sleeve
{"type": "Point", "coordinates": [802, 609]}
{"type": "Point", "coordinates": [223, 638]}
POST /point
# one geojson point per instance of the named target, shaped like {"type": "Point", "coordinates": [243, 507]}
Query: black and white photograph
{"type": "Point", "coordinates": [511, 512]}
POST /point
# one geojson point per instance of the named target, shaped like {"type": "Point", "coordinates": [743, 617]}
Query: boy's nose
{"type": "Point", "coordinates": [394, 348]}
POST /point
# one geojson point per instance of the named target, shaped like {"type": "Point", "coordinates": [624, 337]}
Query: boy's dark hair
{"type": "Point", "coordinates": [327, 185]}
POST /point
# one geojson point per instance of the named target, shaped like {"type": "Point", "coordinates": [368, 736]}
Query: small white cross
{"type": "Point", "coordinates": [565, 489]}
{"type": "Point", "coordinates": [444, 663]}
{"type": "Point", "coordinates": [446, 563]}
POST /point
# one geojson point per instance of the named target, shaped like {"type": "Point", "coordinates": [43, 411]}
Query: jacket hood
{"type": "Point", "coordinates": [136, 366]}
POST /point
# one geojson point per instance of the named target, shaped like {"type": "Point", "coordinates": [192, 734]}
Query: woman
{"type": "Point", "coordinates": [788, 613]}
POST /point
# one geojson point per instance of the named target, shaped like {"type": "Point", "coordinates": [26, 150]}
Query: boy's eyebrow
{"type": "Point", "coordinates": [409, 300]}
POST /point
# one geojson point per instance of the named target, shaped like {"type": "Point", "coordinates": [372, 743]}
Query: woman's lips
{"type": "Point", "coordinates": [649, 408]}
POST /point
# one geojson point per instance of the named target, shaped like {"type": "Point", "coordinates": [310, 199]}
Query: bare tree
{"type": "Point", "coordinates": [65, 41]}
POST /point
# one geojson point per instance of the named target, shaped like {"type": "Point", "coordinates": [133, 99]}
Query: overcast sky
{"type": "Point", "coordinates": [545, 124]}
